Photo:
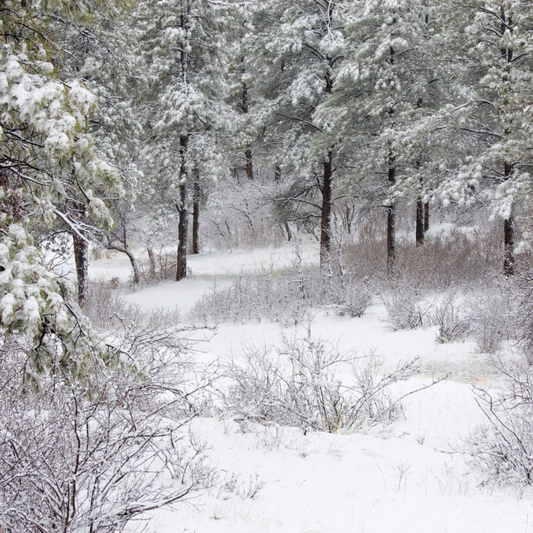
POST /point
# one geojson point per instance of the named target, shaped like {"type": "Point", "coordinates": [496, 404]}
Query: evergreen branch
{"type": "Point", "coordinates": [297, 119]}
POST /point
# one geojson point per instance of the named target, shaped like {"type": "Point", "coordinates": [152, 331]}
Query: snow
{"type": "Point", "coordinates": [406, 477]}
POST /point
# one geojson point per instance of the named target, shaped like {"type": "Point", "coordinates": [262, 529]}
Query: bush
{"type": "Point", "coordinates": [82, 453]}
{"type": "Point", "coordinates": [299, 385]}
{"type": "Point", "coordinates": [451, 319]}
{"type": "Point", "coordinates": [403, 299]}
{"type": "Point", "coordinates": [491, 313]}
{"type": "Point", "coordinates": [286, 299]}
{"type": "Point", "coordinates": [503, 447]}
{"type": "Point", "coordinates": [444, 261]}
{"type": "Point", "coordinates": [161, 266]}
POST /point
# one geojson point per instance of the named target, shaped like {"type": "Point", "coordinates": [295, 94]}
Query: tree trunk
{"type": "Point", "coordinates": [325, 226]}
{"type": "Point", "coordinates": [288, 230]}
{"type": "Point", "coordinates": [391, 225]}
{"type": "Point", "coordinates": [277, 174]}
{"type": "Point", "coordinates": [81, 258]}
{"type": "Point", "coordinates": [249, 163]}
{"type": "Point", "coordinates": [420, 212]}
{"type": "Point", "coordinates": [426, 217]}
{"type": "Point", "coordinates": [509, 242]}
{"type": "Point", "coordinates": [134, 266]}
{"type": "Point", "coordinates": [248, 150]}
{"type": "Point", "coordinates": [183, 223]}
{"type": "Point", "coordinates": [196, 214]}
{"type": "Point", "coordinates": [508, 235]}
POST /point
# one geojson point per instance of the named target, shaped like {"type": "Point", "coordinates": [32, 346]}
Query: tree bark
{"type": "Point", "coordinates": [288, 230]}
{"type": "Point", "coordinates": [325, 225]}
{"type": "Point", "coordinates": [81, 258]}
{"type": "Point", "coordinates": [426, 217]}
{"type": "Point", "coordinates": [248, 156]}
{"type": "Point", "coordinates": [391, 224]}
{"type": "Point", "coordinates": [249, 163]}
{"type": "Point", "coordinates": [196, 214]}
{"type": "Point", "coordinates": [509, 242]}
{"type": "Point", "coordinates": [420, 212]}
{"type": "Point", "coordinates": [183, 223]}
{"type": "Point", "coordinates": [134, 266]}
{"type": "Point", "coordinates": [508, 235]}
{"type": "Point", "coordinates": [277, 174]}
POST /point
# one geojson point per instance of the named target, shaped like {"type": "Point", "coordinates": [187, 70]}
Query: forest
{"type": "Point", "coordinates": [349, 180]}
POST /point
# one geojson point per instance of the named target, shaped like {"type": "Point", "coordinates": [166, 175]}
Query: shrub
{"type": "Point", "coordinates": [451, 319]}
{"type": "Point", "coordinates": [403, 299]}
{"type": "Point", "coordinates": [161, 266]}
{"type": "Point", "coordinates": [450, 260]}
{"type": "Point", "coordinates": [287, 299]}
{"type": "Point", "coordinates": [503, 447]}
{"type": "Point", "coordinates": [300, 385]}
{"type": "Point", "coordinates": [491, 313]}
{"type": "Point", "coordinates": [83, 453]}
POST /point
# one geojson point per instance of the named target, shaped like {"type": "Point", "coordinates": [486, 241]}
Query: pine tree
{"type": "Point", "coordinates": [50, 170]}
{"type": "Point", "coordinates": [303, 48]}
{"type": "Point", "coordinates": [182, 47]}
{"type": "Point", "coordinates": [389, 90]}
{"type": "Point", "coordinates": [498, 125]}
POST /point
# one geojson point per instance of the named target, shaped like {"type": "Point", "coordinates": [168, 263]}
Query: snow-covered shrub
{"type": "Point", "coordinates": [455, 259]}
{"type": "Point", "coordinates": [405, 304]}
{"type": "Point", "coordinates": [300, 385]}
{"type": "Point", "coordinates": [503, 447]}
{"type": "Point", "coordinates": [350, 298]}
{"type": "Point", "coordinates": [243, 488]}
{"type": "Point", "coordinates": [105, 307]}
{"type": "Point", "coordinates": [492, 316]}
{"type": "Point", "coordinates": [286, 298]}
{"type": "Point", "coordinates": [523, 314]}
{"type": "Point", "coordinates": [187, 460]}
{"type": "Point", "coordinates": [451, 319]}
{"type": "Point", "coordinates": [86, 454]}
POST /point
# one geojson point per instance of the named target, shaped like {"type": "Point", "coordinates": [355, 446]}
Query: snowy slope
{"type": "Point", "coordinates": [408, 476]}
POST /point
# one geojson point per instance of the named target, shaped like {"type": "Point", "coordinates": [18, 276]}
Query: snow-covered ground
{"type": "Point", "coordinates": [408, 476]}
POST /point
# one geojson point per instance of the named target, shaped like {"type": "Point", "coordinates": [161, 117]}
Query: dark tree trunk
{"type": "Point", "coordinates": [134, 266]}
{"type": "Point", "coordinates": [81, 258]}
{"type": "Point", "coordinates": [420, 212]}
{"type": "Point", "coordinates": [508, 224]}
{"type": "Point", "coordinates": [183, 223]}
{"type": "Point", "coordinates": [508, 235]}
{"type": "Point", "coordinates": [426, 217]}
{"type": "Point", "coordinates": [288, 230]}
{"type": "Point", "coordinates": [277, 174]}
{"type": "Point", "coordinates": [196, 214]}
{"type": "Point", "coordinates": [325, 226]}
{"type": "Point", "coordinates": [509, 242]}
{"type": "Point", "coordinates": [133, 262]}
{"type": "Point", "coordinates": [391, 225]}
{"type": "Point", "coordinates": [249, 163]}
{"type": "Point", "coordinates": [391, 211]}
{"type": "Point", "coordinates": [248, 150]}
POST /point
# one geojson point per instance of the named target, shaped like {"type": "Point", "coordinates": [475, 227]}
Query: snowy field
{"type": "Point", "coordinates": [408, 476]}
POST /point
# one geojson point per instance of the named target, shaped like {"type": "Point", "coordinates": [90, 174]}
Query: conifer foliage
{"type": "Point", "coordinates": [50, 172]}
